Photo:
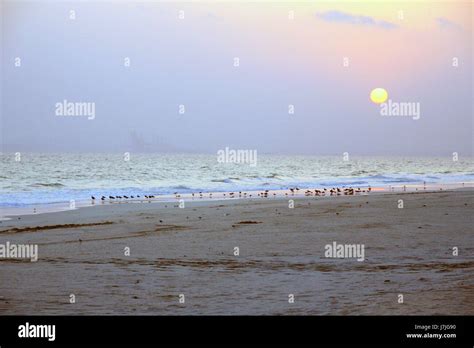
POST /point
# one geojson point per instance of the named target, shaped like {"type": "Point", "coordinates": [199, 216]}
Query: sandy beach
{"type": "Point", "coordinates": [191, 251]}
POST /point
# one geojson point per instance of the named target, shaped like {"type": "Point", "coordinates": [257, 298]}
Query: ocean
{"type": "Point", "coordinates": [55, 178]}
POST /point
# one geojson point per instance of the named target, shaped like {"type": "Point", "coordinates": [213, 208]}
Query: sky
{"type": "Point", "coordinates": [322, 59]}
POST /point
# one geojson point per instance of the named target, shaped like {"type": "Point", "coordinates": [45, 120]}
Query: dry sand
{"type": "Point", "coordinates": [190, 251]}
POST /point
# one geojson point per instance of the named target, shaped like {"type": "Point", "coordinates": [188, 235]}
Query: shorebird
{"type": "Point", "coordinates": [102, 198]}
{"type": "Point", "coordinates": [93, 198]}
{"type": "Point", "coordinates": [126, 197]}
{"type": "Point", "coordinates": [111, 197]}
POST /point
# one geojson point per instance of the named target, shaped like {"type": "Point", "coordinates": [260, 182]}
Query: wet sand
{"type": "Point", "coordinates": [190, 251]}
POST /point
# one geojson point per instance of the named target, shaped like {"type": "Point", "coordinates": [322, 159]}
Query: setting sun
{"type": "Point", "coordinates": [378, 95]}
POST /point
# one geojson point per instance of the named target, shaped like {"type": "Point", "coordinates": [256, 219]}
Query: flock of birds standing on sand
{"type": "Point", "coordinates": [335, 191]}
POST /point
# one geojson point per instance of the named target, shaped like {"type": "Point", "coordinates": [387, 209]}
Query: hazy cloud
{"type": "Point", "coordinates": [445, 23]}
{"type": "Point", "coordinates": [344, 17]}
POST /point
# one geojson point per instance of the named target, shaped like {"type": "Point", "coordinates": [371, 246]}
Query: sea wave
{"type": "Point", "coordinates": [41, 184]}
{"type": "Point", "coordinates": [60, 194]}
{"type": "Point", "coordinates": [80, 176]}
{"type": "Point", "coordinates": [180, 187]}
{"type": "Point", "coordinates": [225, 181]}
